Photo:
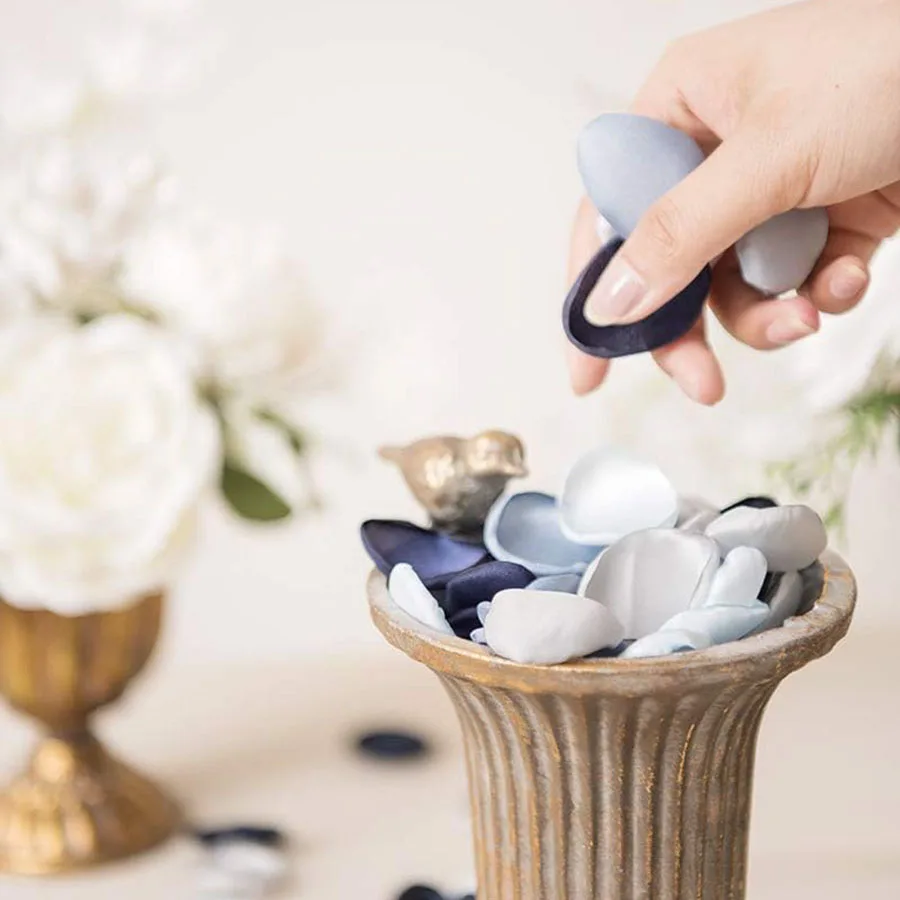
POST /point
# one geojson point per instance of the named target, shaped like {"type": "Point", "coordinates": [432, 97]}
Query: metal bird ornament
{"type": "Point", "coordinates": [458, 479]}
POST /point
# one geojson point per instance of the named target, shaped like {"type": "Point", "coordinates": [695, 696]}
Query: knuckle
{"type": "Point", "coordinates": [664, 229]}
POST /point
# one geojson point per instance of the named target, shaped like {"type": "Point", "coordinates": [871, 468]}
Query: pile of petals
{"type": "Point", "coordinates": [617, 565]}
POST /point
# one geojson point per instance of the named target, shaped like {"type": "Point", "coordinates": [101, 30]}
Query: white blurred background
{"type": "Point", "coordinates": [420, 158]}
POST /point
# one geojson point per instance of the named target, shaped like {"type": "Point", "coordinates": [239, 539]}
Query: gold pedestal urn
{"type": "Point", "coordinates": [76, 805]}
{"type": "Point", "coordinates": [612, 779]}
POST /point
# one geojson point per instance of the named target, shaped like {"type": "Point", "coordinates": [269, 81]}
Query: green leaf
{"type": "Point", "coordinates": [250, 498]}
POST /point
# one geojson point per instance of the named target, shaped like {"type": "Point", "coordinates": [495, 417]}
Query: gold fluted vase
{"type": "Point", "coordinates": [617, 779]}
{"type": "Point", "coordinates": [76, 805]}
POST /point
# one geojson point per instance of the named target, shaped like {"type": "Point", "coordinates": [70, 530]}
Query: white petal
{"type": "Point", "coordinates": [648, 577]}
{"type": "Point", "coordinates": [546, 627]}
{"type": "Point", "coordinates": [411, 595]}
{"type": "Point", "coordinates": [791, 537]}
{"type": "Point", "coordinates": [482, 610]}
{"type": "Point", "coordinates": [609, 494]}
{"type": "Point", "coordinates": [694, 514]}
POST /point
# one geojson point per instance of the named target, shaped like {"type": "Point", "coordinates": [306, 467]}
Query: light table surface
{"type": "Point", "coordinates": [271, 743]}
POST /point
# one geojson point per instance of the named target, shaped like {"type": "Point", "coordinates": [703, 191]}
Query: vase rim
{"type": "Point", "coordinates": [770, 655]}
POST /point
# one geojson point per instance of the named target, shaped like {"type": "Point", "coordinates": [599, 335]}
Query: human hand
{"type": "Point", "coordinates": [796, 107]}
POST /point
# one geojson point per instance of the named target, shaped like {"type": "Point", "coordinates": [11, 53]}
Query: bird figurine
{"type": "Point", "coordinates": [458, 479]}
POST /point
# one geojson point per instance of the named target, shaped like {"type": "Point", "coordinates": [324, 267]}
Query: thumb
{"type": "Point", "coordinates": [745, 181]}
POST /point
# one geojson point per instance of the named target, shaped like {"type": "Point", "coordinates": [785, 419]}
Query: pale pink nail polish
{"type": "Point", "coordinates": [848, 282]}
{"type": "Point", "coordinates": [788, 329]}
{"type": "Point", "coordinates": [620, 291]}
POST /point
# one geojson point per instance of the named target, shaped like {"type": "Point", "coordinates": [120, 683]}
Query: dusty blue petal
{"type": "Point", "coordinates": [524, 528]}
{"type": "Point", "coordinates": [565, 584]}
{"type": "Point", "coordinates": [627, 162]}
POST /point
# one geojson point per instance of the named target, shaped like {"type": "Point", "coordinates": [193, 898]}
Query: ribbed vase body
{"type": "Point", "coordinates": [610, 798]}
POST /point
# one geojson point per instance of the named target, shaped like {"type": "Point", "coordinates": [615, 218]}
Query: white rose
{"type": "Point", "coordinates": [235, 296]}
{"type": "Point", "coordinates": [106, 451]}
{"type": "Point", "coordinates": [66, 217]}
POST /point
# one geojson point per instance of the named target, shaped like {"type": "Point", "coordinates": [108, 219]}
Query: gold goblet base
{"type": "Point", "coordinates": [77, 806]}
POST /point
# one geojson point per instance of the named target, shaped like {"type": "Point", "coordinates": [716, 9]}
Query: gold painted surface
{"type": "Point", "coordinates": [457, 480]}
{"type": "Point", "coordinates": [76, 805]}
{"type": "Point", "coordinates": [617, 779]}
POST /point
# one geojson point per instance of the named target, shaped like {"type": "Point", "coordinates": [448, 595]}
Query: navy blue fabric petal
{"type": "Point", "coordinates": [760, 502]}
{"type": "Point", "coordinates": [469, 588]}
{"type": "Point", "coordinates": [421, 892]}
{"type": "Point", "coordinates": [435, 557]}
{"type": "Point", "coordinates": [465, 622]}
{"type": "Point", "coordinates": [262, 835]}
{"type": "Point", "coordinates": [392, 744]}
{"type": "Point", "coordinates": [769, 586]}
{"type": "Point", "coordinates": [610, 652]}
{"type": "Point", "coordinates": [665, 325]}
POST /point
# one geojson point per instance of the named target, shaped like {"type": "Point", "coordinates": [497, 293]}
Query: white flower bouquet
{"type": "Point", "coordinates": [148, 353]}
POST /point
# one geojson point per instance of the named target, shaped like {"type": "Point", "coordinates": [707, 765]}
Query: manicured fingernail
{"type": "Point", "coordinates": [848, 282]}
{"type": "Point", "coordinates": [788, 329]}
{"type": "Point", "coordinates": [620, 291]}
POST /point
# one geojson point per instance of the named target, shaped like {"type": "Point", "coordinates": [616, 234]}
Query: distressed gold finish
{"type": "Point", "coordinates": [617, 779]}
{"type": "Point", "coordinates": [458, 479]}
{"type": "Point", "coordinates": [76, 805]}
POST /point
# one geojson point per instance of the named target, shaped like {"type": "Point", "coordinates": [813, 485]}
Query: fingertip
{"type": "Point", "coordinates": [703, 382]}
{"type": "Point", "coordinates": [693, 366]}
{"type": "Point", "coordinates": [760, 322]}
{"type": "Point", "coordinates": [586, 373]}
{"type": "Point", "coordinates": [839, 285]}
{"type": "Point", "coordinates": [794, 318]}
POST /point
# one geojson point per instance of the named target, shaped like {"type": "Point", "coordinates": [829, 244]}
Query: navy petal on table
{"type": "Point", "coordinates": [665, 325]}
{"type": "Point", "coordinates": [392, 744]}
{"type": "Point", "coordinates": [435, 557]}
{"type": "Point", "coordinates": [755, 502]}
{"type": "Point", "coordinates": [421, 892]}
{"type": "Point", "coordinates": [481, 582]}
{"type": "Point", "coordinates": [263, 835]}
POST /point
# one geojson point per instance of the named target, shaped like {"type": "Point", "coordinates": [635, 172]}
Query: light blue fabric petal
{"type": "Point", "coordinates": [720, 623]}
{"type": "Point", "coordinates": [524, 528]}
{"type": "Point", "coordinates": [663, 643]}
{"type": "Point", "coordinates": [564, 584]}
